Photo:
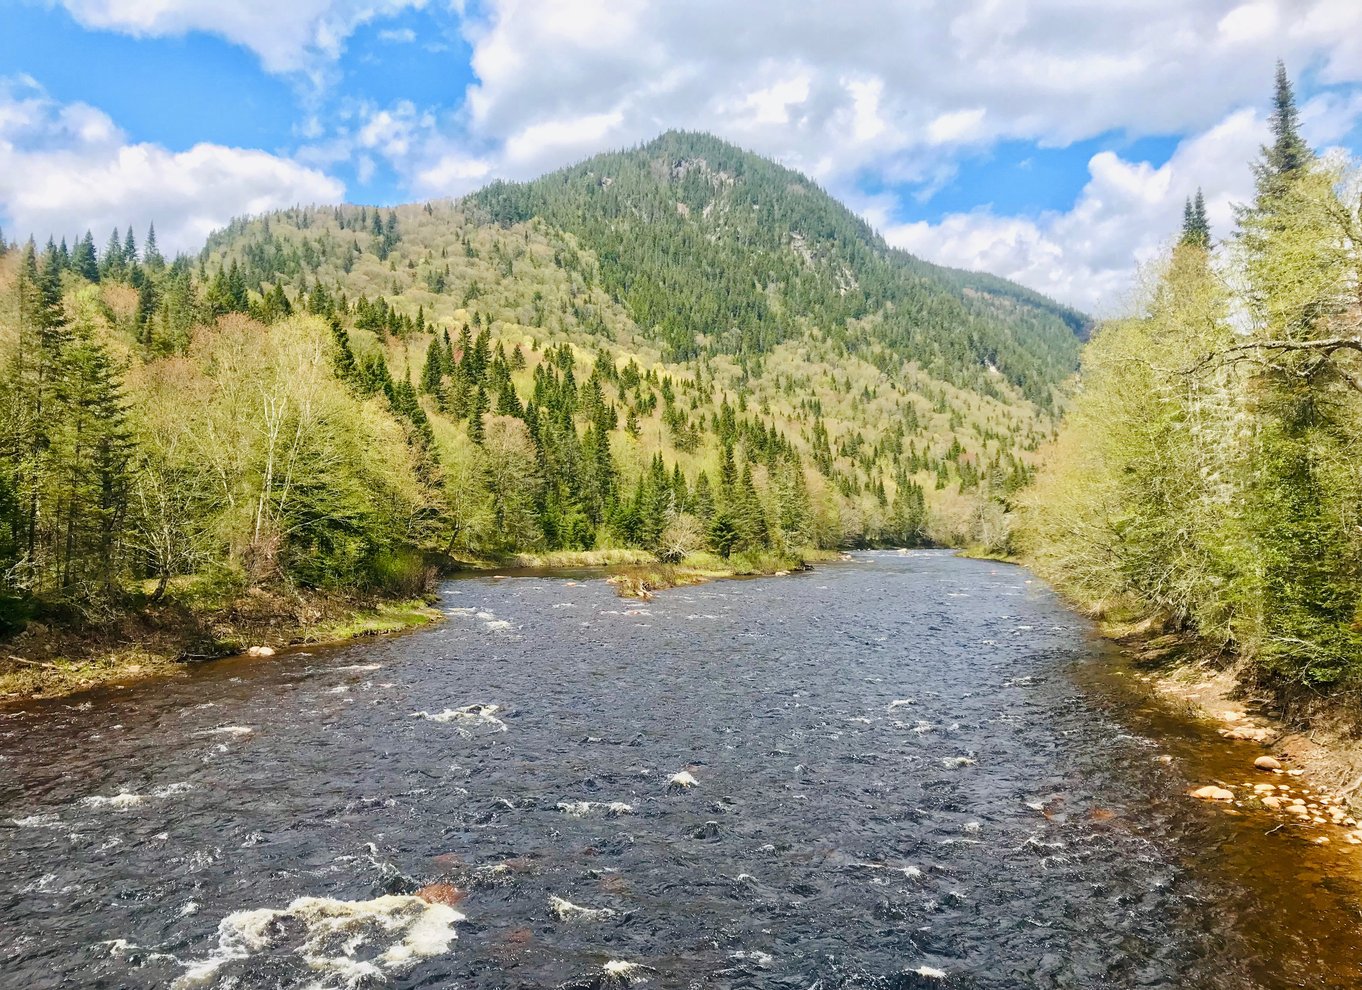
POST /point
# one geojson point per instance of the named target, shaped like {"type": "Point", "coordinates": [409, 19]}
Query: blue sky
{"type": "Point", "coordinates": [1049, 141]}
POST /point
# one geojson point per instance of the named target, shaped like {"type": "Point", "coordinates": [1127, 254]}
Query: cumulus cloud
{"type": "Point", "coordinates": [287, 37]}
{"type": "Point", "coordinates": [66, 168]}
{"type": "Point", "coordinates": [897, 92]}
{"type": "Point", "coordinates": [835, 87]}
{"type": "Point", "coordinates": [902, 93]}
{"type": "Point", "coordinates": [1127, 213]}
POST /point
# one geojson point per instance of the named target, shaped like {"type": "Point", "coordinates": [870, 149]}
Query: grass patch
{"type": "Point", "coordinates": [53, 678]}
{"type": "Point", "coordinates": [607, 557]}
{"type": "Point", "coordinates": [642, 581]}
{"type": "Point", "coordinates": [385, 618]}
{"type": "Point", "coordinates": [196, 624]}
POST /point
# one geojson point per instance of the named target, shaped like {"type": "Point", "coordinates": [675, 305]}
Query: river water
{"type": "Point", "coordinates": [909, 770]}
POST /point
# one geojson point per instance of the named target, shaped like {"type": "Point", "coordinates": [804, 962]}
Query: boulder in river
{"type": "Point", "coordinates": [682, 780]}
{"type": "Point", "coordinates": [260, 651]}
{"type": "Point", "coordinates": [1213, 793]}
{"type": "Point", "coordinates": [1251, 733]}
{"type": "Point", "coordinates": [1267, 763]}
{"type": "Point", "coordinates": [441, 893]}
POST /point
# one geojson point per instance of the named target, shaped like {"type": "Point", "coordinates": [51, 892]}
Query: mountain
{"type": "Point", "coordinates": [711, 248]}
{"type": "Point", "coordinates": [678, 349]}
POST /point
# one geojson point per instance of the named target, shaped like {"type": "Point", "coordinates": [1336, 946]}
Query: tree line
{"type": "Point", "coordinates": [1207, 470]}
{"type": "Point", "coordinates": [171, 429]}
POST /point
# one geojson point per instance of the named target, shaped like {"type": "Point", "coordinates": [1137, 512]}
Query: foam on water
{"type": "Point", "coordinates": [622, 973]}
{"type": "Point", "coordinates": [344, 942]}
{"type": "Point", "coordinates": [578, 809]}
{"type": "Point", "coordinates": [228, 730]}
{"type": "Point", "coordinates": [476, 714]}
{"type": "Point", "coordinates": [121, 800]}
{"type": "Point", "coordinates": [565, 910]}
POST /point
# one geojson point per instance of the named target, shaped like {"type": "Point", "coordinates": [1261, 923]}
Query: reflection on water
{"type": "Point", "coordinates": [910, 770]}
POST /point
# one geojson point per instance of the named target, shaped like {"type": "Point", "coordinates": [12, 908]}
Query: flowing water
{"type": "Point", "coordinates": [907, 770]}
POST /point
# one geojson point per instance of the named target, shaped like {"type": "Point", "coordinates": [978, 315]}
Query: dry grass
{"type": "Point", "coordinates": [51, 662]}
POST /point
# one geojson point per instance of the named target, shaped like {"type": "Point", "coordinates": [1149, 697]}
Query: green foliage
{"type": "Point", "coordinates": [1210, 473]}
{"type": "Point", "coordinates": [713, 250]}
{"type": "Point", "coordinates": [331, 397]}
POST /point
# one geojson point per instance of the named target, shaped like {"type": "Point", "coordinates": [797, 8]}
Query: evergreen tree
{"type": "Point", "coordinates": [1288, 153]}
{"type": "Point", "coordinates": [151, 255]}
{"type": "Point", "coordinates": [433, 372]}
{"type": "Point", "coordinates": [476, 415]}
{"type": "Point", "coordinates": [84, 262]}
{"type": "Point", "coordinates": [1196, 229]}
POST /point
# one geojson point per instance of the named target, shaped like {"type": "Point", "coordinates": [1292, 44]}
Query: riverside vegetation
{"type": "Point", "coordinates": [1207, 473]}
{"type": "Point", "coordinates": [678, 353]}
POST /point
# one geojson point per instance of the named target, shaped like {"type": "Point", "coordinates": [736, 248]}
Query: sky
{"type": "Point", "coordinates": [1049, 141]}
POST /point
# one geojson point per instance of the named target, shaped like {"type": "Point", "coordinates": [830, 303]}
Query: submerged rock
{"type": "Point", "coordinates": [681, 780]}
{"type": "Point", "coordinates": [441, 893]}
{"type": "Point", "coordinates": [1213, 793]}
{"type": "Point", "coordinates": [1251, 733]}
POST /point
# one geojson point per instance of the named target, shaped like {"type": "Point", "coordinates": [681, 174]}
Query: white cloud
{"type": "Point", "coordinates": [901, 91]}
{"type": "Point", "coordinates": [287, 37]}
{"type": "Point", "coordinates": [568, 137]}
{"type": "Point", "coordinates": [896, 91]}
{"type": "Point", "coordinates": [1126, 214]}
{"type": "Point", "coordinates": [794, 80]}
{"type": "Point", "coordinates": [956, 127]}
{"type": "Point", "coordinates": [66, 168]}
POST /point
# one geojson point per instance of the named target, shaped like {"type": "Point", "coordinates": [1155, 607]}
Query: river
{"type": "Point", "coordinates": [906, 770]}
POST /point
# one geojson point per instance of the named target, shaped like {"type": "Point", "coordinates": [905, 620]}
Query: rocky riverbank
{"type": "Point", "coordinates": [50, 660]}
{"type": "Point", "coordinates": [1303, 775]}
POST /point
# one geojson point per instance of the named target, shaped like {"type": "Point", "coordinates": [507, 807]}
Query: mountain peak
{"type": "Point", "coordinates": [709, 245]}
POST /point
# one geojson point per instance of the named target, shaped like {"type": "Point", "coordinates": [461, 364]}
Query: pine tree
{"type": "Point", "coordinates": [1203, 225]}
{"type": "Point", "coordinates": [748, 515]}
{"type": "Point", "coordinates": [1288, 152]}
{"type": "Point", "coordinates": [40, 373]}
{"type": "Point", "coordinates": [92, 470]}
{"type": "Point", "coordinates": [433, 372]}
{"type": "Point", "coordinates": [342, 357]}
{"type": "Point", "coordinates": [476, 428]}
{"type": "Point", "coordinates": [151, 255]}
{"type": "Point", "coordinates": [1196, 229]}
{"type": "Point", "coordinates": [723, 535]}
{"type": "Point", "coordinates": [84, 262]}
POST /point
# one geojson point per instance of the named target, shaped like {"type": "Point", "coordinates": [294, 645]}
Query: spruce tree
{"type": "Point", "coordinates": [1288, 152]}
{"type": "Point", "coordinates": [1196, 229]}
{"type": "Point", "coordinates": [433, 372]}
{"type": "Point", "coordinates": [84, 261]}
{"type": "Point", "coordinates": [111, 262]}
{"type": "Point", "coordinates": [476, 429]}
{"type": "Point", "coordinates": [151, 255]}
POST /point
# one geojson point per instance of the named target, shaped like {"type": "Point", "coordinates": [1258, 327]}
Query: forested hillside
{"type": "Point", "coordinates": [715, 250]}
{"type": "Point", "coordinates": [681, 349]}
{"type": "Point", "coordinates": [1208, 470]}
